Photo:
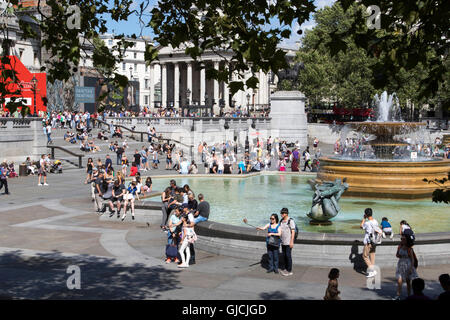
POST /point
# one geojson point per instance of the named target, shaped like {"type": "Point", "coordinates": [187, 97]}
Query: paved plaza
{"type": "Point", "coordinates": [44, 230]}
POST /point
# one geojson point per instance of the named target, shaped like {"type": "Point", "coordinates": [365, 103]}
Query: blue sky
{"type": "Point", "coordinates": [132, 25]}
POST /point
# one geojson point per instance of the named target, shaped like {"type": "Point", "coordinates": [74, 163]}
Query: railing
{"type": "Point", "coordinates": [160, 138]}
{"type": "Point", "coordinates": [67, 151]}
{"type": "Point", "coordinates": [125, 128]}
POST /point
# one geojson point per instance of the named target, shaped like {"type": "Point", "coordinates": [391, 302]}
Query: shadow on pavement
{"type": "Point", "coordinates": [275, 295]}
{"type": "Point", "coordinates": [357, 260]}
{"type": "Point", "coordinates": [45, 276]}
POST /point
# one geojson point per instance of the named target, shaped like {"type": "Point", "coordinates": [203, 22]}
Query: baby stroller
{"type": "Point", "coordinates": [56, 167]}
{"type": "Point", "coordinates": [11, 171]}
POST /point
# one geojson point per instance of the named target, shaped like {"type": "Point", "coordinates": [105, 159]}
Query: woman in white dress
{"type": "Point", "coordinates": [405, 267]}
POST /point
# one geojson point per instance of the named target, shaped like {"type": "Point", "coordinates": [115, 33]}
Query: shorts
{"type": "Point", "coordinates": [42, 172]}
{"type": "Point", "coordinates": [387, 231]}
{"type": "Point", "coordinates": [155, 161]}
{"type": "Point", "coordinates": [144, 160]}
{"type": "Point", "coordinates": [128, 196]}
{"type": "Point", "coordinates": [114, 199]}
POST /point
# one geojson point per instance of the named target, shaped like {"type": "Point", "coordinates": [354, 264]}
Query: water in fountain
{"type": "Point", "coordinates": [379, 143]}
{"type": "Point", "coordinates": [387, 107]}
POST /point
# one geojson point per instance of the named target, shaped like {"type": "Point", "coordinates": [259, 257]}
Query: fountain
{"type": "Point", "coordinates": [395, 170]}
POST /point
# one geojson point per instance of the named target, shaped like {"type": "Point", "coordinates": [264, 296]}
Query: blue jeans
{"type": "Point", "coordinates": [273, 258]}
{"type": "Point", "coordinates": [199, 219]}
{"type": "Point", "coordinates": [287, 255]}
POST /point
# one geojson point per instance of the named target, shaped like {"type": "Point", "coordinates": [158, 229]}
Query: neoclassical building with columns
{"type": "Point", "coordinates": [184, 82]}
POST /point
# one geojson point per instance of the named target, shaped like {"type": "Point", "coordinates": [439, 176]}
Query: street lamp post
{"type": "Point", "coordinates": [248, 104]}
{"type": "Point", "coordinates": [34, 81]}
{"type": "Point", "coordinates": [206, 102]}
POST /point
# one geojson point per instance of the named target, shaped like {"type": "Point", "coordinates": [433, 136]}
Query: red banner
{"type": "Point", "coordinates": [26, 85]}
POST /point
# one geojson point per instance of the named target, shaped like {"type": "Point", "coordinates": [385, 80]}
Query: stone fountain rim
{"type": "Point", "coordinates": [227, 231]}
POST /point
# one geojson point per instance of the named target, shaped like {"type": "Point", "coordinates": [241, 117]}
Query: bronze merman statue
{"type": "Point", "coordinates": [325, 201]}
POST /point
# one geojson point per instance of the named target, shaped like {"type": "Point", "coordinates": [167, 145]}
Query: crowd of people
{"type": "Point", "coordinates": [110, 190]}
{"type": "Point", "coordinates": [359, 148]}
{"type": "Point", "coordinates": [175, 113]}
{"type": "Point", "coordinates": [224, 158]}
{"type": "Point", "coordinates": [180, 213]}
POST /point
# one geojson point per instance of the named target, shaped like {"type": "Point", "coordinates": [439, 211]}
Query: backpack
{"type": "Point", "coordinates": [374, 236]}
{"type": "Point", "coordinates": [410, 237]}
{"type": "Point", "coordinates": [296, 228]}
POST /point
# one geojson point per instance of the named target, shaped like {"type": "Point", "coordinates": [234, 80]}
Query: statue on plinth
{"type": "Point", "coordinates": [325, 200]}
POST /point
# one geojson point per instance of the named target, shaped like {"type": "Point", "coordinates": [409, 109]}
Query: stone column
{"type": "Point", "coordinates": [164, 85]}
{"type": "Point", "coordinates": [152, 86]}
{"type": "Point", "coordinates": [176, 85]}
{"type": "Point", "coordinates": [260, 88]}
{"type": "Point", "coordinates": [202, 86]}
{"type": "Point", "coordinates": [189, 80]}
{"type": "Point", "coordinates": [216, 91]}
{"type": "Point", "coordinates": [226, 96]}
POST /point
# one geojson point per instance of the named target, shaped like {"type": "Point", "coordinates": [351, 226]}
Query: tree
{"type": "Point", "coordinates": [348, 75]}
{"type": "Point", "coordinates": [412, 32]}
{"type": "Point", "coordinates": [250, 30]}
{"type": "Point", "coordinates": [343, 77]}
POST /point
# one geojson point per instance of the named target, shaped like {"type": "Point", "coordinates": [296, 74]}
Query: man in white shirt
{"type": "Point", "coordinates": [370, 226]}
{"type": "Point", "coordinates": [184, 167]}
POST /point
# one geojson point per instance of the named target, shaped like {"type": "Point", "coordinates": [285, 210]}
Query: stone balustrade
{"type": "Point", "coordinates": [168, 124]}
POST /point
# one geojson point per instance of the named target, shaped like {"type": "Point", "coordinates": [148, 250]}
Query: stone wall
{"type": "Point", "coordinates": [193, 131]}
{"type": "Point", "coordinates": [21, 138]}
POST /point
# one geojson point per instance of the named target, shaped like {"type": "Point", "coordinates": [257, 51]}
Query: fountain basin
{"type": "Point", "coordinates": [384, 179]}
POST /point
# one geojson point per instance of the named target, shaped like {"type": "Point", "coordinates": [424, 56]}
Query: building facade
{"type": "Point", "coordinates": [184, 82]}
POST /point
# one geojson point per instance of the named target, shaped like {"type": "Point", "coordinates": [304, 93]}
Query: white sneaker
{"type": "Point", "coordinates": [183, 265]}
{"type": "Point", "coordinates": [45, 184]}
{"type": "Point", "coordinates": [371, 274]}
{"type": "Point", "coordinates": [39, 184]}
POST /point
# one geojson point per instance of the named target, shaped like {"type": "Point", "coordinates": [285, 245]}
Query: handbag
{"type": "Point", "coordinates": [171, 251]}
{"type": "Point", "coordinates": [192, 238]}
{"type": "Point", "coordinates": [274, 241]}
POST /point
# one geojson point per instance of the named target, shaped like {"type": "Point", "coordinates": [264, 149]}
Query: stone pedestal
{"type": "Point", "coordinates": [21, 138]}
{"type": "Point", "coordinates": [288, 117]}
